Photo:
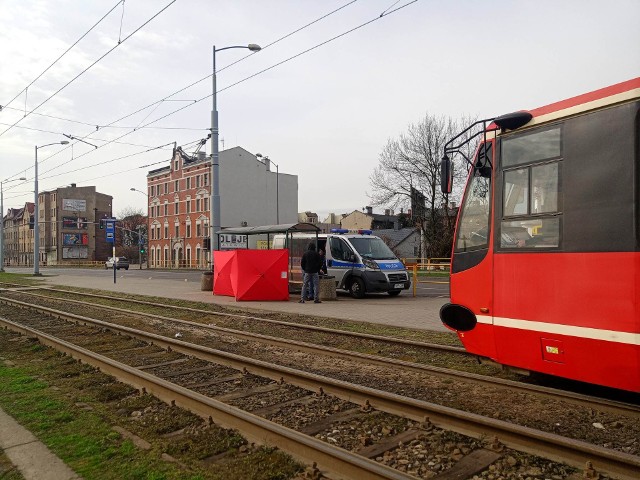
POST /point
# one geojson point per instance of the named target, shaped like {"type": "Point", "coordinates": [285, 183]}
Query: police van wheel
{"type": "Point", "coordinates": [394, 293]}
{"type": "Point", "coordinates": [356, 288]}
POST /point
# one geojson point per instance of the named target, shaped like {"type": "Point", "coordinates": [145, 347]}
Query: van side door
{"type": "Point", "coordinates": [340, 261]}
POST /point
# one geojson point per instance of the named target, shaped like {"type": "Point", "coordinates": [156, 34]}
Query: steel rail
{"type": "Point", "coordinates": [334, 460]}
{"type": "Point", "coordinates": [400, 341]}
{"type": "Point", "coordinates": [617, 408]}
{"type": "Point", "coordinates": [548, 445]}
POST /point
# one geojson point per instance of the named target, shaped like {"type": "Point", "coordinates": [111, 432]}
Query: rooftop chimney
{"type": "Point", "coordinates": [369, 210]}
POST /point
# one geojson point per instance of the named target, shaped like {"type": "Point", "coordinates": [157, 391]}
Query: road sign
{"type": "Point", "coordinates": [111, 229]}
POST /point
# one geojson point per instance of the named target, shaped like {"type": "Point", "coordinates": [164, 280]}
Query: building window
{"type": "Point", "coordinates": [176, 186]}
{"type": "Point", "coordinates": [188, 183]}
{"type": "Point", "coordinates": [166, 187]}
{"type": "Point", "coordinates": [188, 234]}
{"type": "Point", "coordinates": [177, 230]}
{"type": "Point", "coordinates": [198, 230]}
{"type": "Point", "coordinates": [166, 231]}
{"type": "Point", "coordinates": [197, 181]}
{"type": "Point", "coordinates": [176, 210]}
{"type": "Point", "coordinates": [206, 179]}
{"type": "Point", "coordinates": [206, 204]}
{"type": "Point", "coordinates": [176, 165]}
{"type": "Point", "coordinates": [188, 204]}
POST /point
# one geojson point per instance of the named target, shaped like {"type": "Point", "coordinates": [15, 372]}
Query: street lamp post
{"type": "Point", "coordinates": [267, 159]}
{"type": "Point", "coordinates": [2, 221]}
{"type": "Point", "coordinates": [36, 223]}
{"type": "Point", "coordinates": [215, 190]}
{"type": "Point", "coordinates": [148, 225]}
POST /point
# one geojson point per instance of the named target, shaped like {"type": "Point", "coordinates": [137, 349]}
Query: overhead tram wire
{"type": "Point", "coordinates": [93, 138]}
{"type": "Point", "coordinates": [97, 126]}
{"type": "Point", "coordinates": [167, 98]}
{"type": "Point", "coordinates": [285, 36]}
{"type": "Point", "coordinates": [150, 149]}
{"type": "Point", "coordinates": [105, 162]}
{"type": "Point", "coordinates": [286, 60]}
{"type": "Point", "coordinates": [277, 64]}
{"type": "Point", "coordinates": [384, 14]}
{"type": "Point", "coordinates": [89, 67]}
{"type": "Point", "coordinates": [63, 54]}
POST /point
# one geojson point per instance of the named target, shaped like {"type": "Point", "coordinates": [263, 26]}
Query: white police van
{"type": "Point", "coordinates": [360, 262]}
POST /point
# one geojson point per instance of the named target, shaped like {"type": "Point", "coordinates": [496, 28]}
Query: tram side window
{"type": "Point", "coordinates": [530, 196]}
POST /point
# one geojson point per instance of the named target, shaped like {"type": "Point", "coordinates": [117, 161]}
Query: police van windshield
{"type": "Point", "coordinates": [372, 247]}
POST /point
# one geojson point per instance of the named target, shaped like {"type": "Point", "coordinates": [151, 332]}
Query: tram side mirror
{"type": "Point", "coordinates": [446, 175]}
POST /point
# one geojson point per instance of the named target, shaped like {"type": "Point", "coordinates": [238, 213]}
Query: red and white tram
{"type": "Point", "coordinates": [545, 272]}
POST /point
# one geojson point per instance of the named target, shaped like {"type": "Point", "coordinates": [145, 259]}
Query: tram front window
{"type": "Point", "coordinates": [473, 228]}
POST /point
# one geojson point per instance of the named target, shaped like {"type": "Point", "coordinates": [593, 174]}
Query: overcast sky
{"type": "Point", "coordinates": [324, 116]}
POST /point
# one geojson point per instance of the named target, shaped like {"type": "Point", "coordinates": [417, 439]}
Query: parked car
{"type": "Point", "coordinates": [121, 262]}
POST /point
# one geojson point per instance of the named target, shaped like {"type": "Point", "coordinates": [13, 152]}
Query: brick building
{"type": "Point", "coordinates": [69, 220]}
{"type": "Point", "coordinates": [18, 236]}
{"type": "Point", "coordinates": [180, 203]}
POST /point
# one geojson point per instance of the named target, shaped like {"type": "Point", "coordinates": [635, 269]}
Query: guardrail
{"type": "Point", "coordinates": [434, 270]}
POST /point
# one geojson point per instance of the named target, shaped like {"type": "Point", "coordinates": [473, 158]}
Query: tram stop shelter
{"type": "Point", "coordinates": [255, 274]}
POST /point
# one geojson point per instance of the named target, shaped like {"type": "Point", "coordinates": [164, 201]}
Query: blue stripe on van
{"type": "Point", "coordinates": [383, 264]}
{"type": "Point", "coordinates": [340, 264]}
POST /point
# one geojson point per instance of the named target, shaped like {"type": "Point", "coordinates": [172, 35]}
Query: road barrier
{"type": "Point", "coordinates": [434, 270]}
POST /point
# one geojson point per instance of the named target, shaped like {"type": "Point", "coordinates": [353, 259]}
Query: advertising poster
{"type": "Point", "coordinates": [75, 239]}
{"type": "Point", "coordinates": [74, 204]}
{"type": "Point", "coordinates": [75, 252]}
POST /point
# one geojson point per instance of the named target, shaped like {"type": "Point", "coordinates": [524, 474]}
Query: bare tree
{"type": "Point", "coordinates": [410, 166]}
{"type": "Point", "coordinates": [132, 222]}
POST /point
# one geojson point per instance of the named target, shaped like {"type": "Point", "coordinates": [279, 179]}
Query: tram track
{"type": "Point", "coordinates": [613, 407]}
{"type": "Point", "coordinates": [407, 343]}
{"type": "Point", "coordinates": [526, 439]}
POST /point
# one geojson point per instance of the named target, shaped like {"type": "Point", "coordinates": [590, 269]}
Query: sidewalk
{"type": "Point", "coordinates": [401, 311]}
{"type": "Point", "coordinates": [30, 456]}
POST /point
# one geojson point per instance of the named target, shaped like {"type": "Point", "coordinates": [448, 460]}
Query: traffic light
{"type": "Point", "coordinates": [141, 248]}
{"type": "Point", "coordinates": [101, 224]}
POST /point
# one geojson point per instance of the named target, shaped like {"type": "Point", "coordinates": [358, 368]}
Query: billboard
{"type": "Point", "coordinates": [75, 239]}
{"type": "Point", "coordinates": [74, 204]}
{"type": "Point", "coordinates": [73, 222]}
{"type": "Point", "coordinates": [75, 252]}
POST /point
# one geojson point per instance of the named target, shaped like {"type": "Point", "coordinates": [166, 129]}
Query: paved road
{"type": "Point", "coordinates": [404, 310]}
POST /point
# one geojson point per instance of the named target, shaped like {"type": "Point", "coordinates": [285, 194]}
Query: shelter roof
{"type": "Point", "coordinates": [282, 228]}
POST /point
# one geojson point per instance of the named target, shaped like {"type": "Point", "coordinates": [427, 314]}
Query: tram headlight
{"type": "Point", "coordinates": [457, 317]}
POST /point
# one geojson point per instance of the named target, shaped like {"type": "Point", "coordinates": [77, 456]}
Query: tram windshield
{"type": "Point", "coordinates": [473, 226]}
